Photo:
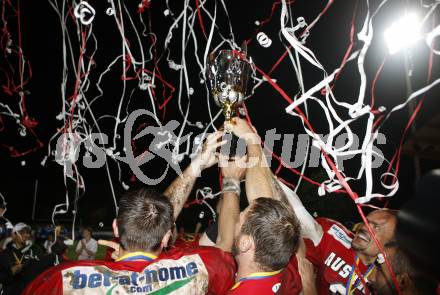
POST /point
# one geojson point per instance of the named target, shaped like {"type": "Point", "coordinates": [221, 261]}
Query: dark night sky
{"type": "Point", "coordinates": [329, 39]}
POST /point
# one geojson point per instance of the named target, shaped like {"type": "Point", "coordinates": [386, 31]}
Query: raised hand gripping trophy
{"type": "Point", "coordinates": [228, 72]}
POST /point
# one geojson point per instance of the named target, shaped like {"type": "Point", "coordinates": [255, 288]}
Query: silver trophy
{"type": "Point", "coordinates": [228, 72]}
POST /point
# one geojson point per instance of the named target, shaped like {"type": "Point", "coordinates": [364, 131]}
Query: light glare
{"type": "Point", "coordinates": [403, 33]}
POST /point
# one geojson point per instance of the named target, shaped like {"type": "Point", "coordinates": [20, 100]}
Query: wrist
{"type": "Point", "coordinates": [254, 151]}
{"type": "Point", "coordinates": [252, 139]}
{"type": "Point", "coordinates": [231, 185]}
{"type": "Point", "coordinates": [196, 167]}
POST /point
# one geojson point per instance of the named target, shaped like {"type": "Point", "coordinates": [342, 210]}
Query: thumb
{"type": "Point", "coordinates": [111, 244]}
{"type": "Point", "coordinates": [115, 246]}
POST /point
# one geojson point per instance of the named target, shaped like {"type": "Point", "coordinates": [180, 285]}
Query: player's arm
{"type": "Point", "coordinates": [182, 186]}
{"type": "Point", "coordinates": [232, 173]}
{"type": "Point", "coordinates": [306, 271]}
{"type": "Point", "coordinates": [310, 229]}
{"type": "Point", "coordinates": [227, 221]}
{"type": "Point", "coordinates": [258, 174]}
{"type": "Point", "coordinates": [260, 181]}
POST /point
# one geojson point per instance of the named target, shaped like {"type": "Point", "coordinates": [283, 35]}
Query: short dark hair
{"type": "Point", "coordinates": [275, 230]}
{"type": "Point", "coordinates": [89, 229]}
{"type": "Point", "coordinates": [144, 217]}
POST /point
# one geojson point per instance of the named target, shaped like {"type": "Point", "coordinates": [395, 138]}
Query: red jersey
{"type": "Point", "coordinates": [187, 240]}
{"type": "Point", "coordinates": [287, 281]}
{"type": "Point", "coordinates": [336, 262]}
{"type": "Point", "coordinates": [202, 270]}
{"type": "Point", "coordinates": [182, 241]}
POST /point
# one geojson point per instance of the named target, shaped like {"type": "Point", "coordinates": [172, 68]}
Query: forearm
{"type": "Point", "coordinates": [308, 280]}
{"type": "Point", "coordinates": [278, 192]}
{"type": "Point", "coordinates": [310, 229]}
{"type": "Point", "coordinates": [308, 287]}
{"type": "Point", "coordinates": [306, 271]}
{"type": "Point", "coordinates": [266, 182]}
{"type": "Point", "coordinates": [258, 175]}
{"type": "Point", "coordinates": [228, 218]}
{"type": "Point", "coordinates": [181, 187]}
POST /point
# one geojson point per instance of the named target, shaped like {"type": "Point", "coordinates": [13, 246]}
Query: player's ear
{"type": "Point", "coordinates": [246, 243]}
{"type": "Point", "coordinates": [166, 239]}
{"type": "Point", "coordinates": [115, 228]}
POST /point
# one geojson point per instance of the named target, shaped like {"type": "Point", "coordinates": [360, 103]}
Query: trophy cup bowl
{"type": "Point", "coordinates": [228, 72]}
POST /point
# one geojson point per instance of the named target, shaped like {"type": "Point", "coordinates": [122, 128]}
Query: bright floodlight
{"type": "Point", "coordinates": [403, 33]}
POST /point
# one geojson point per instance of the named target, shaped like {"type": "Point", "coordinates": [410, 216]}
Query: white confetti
{"type": "Point", "coordinates": [264, 40]}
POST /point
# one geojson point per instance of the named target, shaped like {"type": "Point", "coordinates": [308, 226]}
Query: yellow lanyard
{"type": "Point", "coordinates": [16, 258]}
{"type": "Point", "coordinates": [352, 284]}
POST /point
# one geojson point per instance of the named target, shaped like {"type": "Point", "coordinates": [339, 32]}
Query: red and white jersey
{"type": "Point", "coordinates": [287, 281]}
{"type": "Point", "coordinates": [202, 270]}
{"type": "Point", "coordinates": [187, 240]}
{"type": "Point", "coordinates": [335, 260]}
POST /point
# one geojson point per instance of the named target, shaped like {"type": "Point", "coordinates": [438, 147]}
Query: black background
{"type": "Point", "coordinates": [329, 39]}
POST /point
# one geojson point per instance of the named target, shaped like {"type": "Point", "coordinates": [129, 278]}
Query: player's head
{"type": "Point", "coordinates": [383, 223]}
{"type": "Point", "coordinates": [21, 234]}
{"type": "Point", "coordinates": [144, 222]}
{"type": "Point", "coordinates": [267, 234]}
{"type": "Point", "coordinates": [418, 225]}
{"type": "Point", "coordinates": [410, 280]}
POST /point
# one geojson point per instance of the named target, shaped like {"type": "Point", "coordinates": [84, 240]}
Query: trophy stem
{"type": "Point", "coordinates": [228, 111]}
{"type": "Point", "coordinates": [227, 129]}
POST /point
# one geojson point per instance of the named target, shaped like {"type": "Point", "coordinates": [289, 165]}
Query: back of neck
{"type": "Point", "coordinates": [245, 268]}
